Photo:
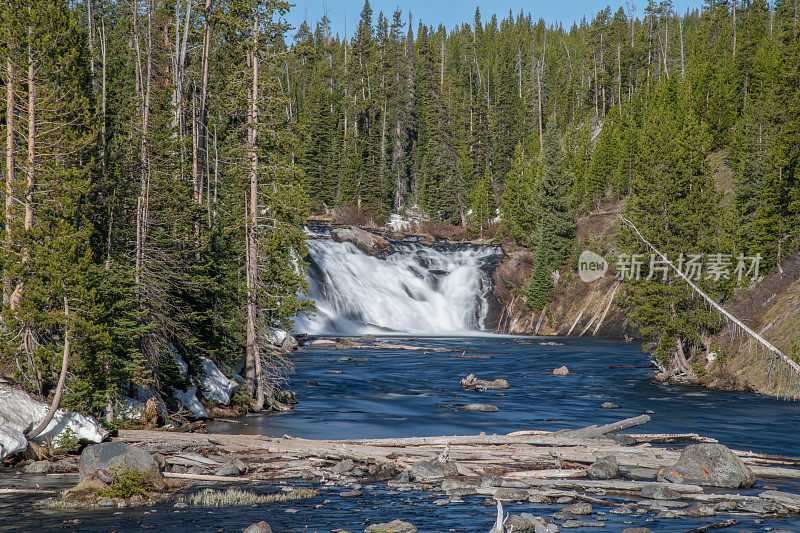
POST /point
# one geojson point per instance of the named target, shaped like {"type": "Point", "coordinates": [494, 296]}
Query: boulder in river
{"type": "Point", "coordinates": [708, 464]}
{"type": "Point", "coordinates": [561, 371]}
{"type": "Point", "coordinates": [110, 458]}
{"type": "Point", "coordinates": [479, 408]}
{"type": "Point", "coordinates": [19, 412]}
{"type": "Point", "coordinates": [527, 523]}
{"type": "Point", "coordinates": [428, 470]}
{"type": "Point", "coordinates": [609, 405]}
{"type": "Point", "coordinates": [367, 242]}
{"type": "Point", "coordinates": [395, 526]}
{"type": "Point", "coordinates": [258, 527]}
{"type": "Point", "coordinates": [473, 383]}
{"type": "Point", "coordinates": [604, 468]}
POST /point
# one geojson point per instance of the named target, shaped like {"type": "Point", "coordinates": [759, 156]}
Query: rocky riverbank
{"type": "Point", "coordinates": [589, 473]}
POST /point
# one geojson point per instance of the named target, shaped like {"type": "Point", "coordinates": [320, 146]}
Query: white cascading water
{"type": "Point", "coordinates": [441, 289]}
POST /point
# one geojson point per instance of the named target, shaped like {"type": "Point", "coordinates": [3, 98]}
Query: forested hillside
{"type": "Point", "coordinates": [543, 123]}
{"type": "Point", "coordinates": [161, 157]}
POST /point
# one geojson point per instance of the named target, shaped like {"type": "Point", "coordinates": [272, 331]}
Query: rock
{"type": "Point", "coordinates": [572, 524]}
{"type": "Point", "coordinates": [604, 468]}
{"type": "Point", "coordinates": [427, 470]}
{"type": "Point", "coordinates": [343, 467]}
{"type": "Point", "coordinates": [479, 408]}
{"type": "Point", "coordinates": [365, 241]}
{"type": "Point", "coordinates": [38, 467]}
{"type": "Point", "coordinates": [641, 474]}
{"type": "Point", "coordinates": [290, 343]}
{"type": "Point", "coordinates": [232, 467]}
{"type": "Point", "coordinates": [609, 405]}
{"type": "Point", "coordinates": [18, 412]}
{"type": "Point", "coordinates": [64, 466]}
{"type": "Point", "coordinates": [712, 465]}
{"type": "Point", "coordinates": [189, 400]}
{"type": "Point", "coordinates": [275, 336]}
{"type": "Point", "coordinates": [699, 511]}
{"type": "Point", "coordinates": [215, 385]}
{"type": "Point", "coordinates": [637, 530]}
{"type": "Point", "coordinates": [106, 458]}
{"type": "Point", "coordinates": [395, 526]}
{"type": "Point", "coordinates": [258, 527]}
{"type": "Point", "coordinates": [511, 495]}
{"type": "Point", "coordinates": [473, 383]}
{"type": "Point", "coordinates": [350, 493]}
{"type": "Point", "coordinates": [133, 409]}
{"type": "Point", "coordinates": [106, 502]}
{"type": "Point", "coordinates": [579, 508]}
{"type": "Point", "coordinates": [621, 510]}
{"type": "Point", "coordinates": [561, 371]}
{"type": "Point", "coordinates": [454, 486]}
{"type": "Point", "coordinates": [367, 339]}
{"type": "Point", "coordinates": [659, 492]}
{"type": "Point", "coordinates": [517, 523]}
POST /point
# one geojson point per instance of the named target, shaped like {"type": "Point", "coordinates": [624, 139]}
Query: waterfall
{"type": "Point", "coordinates": [420, 289]}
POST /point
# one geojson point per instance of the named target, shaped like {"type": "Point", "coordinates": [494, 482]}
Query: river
{"type": "Point", "coordinates": [385, 393]}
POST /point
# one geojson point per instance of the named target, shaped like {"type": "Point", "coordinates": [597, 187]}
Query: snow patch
{"type": "Point", "coordinates": [18, 412]}
{"type": "Point", "coordinates": [189, 400]}
{"type": "Point", "coordinates": [216, 385]}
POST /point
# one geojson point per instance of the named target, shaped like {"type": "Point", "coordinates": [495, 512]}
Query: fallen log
{"type": "Point", "coordinates": [592, 432]}
{"type": "Point", "coordinates": [207, 477]}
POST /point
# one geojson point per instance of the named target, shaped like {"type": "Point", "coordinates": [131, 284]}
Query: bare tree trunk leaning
{"type": "Point", "coordinates": [62, 378]}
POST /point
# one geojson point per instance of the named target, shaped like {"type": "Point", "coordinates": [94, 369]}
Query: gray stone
{"type": "Point", "coordinates": [106, 502]}
{"type": "Point", "coordinates": [514, 484]}
{"type": "Point", "coordinates": [473, 383]}
{"type": "Point", "coordinates": [604, 468]}
{"type": "Point", "coordinates": [38, 467]}
{"type": "Point", "coordinates": [350, 493]}
{"type": "Point", "coordinates": [343, 467]}
{"type": "Point", "coordinates": [395, 526]}
{"type": "Point", "coordinates": [699, 511]}
{"type": "Point", "coordinates": [455, 487]}
{"type": "Point", "coordinates": [233, 467]}
{"type": "Point", "coordinates": [427, 470]}
{"type": "Point", "coordinates": [561, 371]}
{"type": "Point", "coordinates": [365, 241]}
{"type": "Point", "coordinates": [668, 515]}
{"type": "Point", "coordinates": [367, 339]}
{"type": "Point", "coordinates": [258, 527]}
{"type": "Point", "coordinates": [579, 508]}
{"type": "Point", "coordinates": [108, 457]}
{"type": "Point", "coordinates": [711, 465]}
{"type": "Point", "coordinates": [518, 523]}
{"type": "Point", "coordinates": [641, 474]}
{"type": "Point", "coordinates": [609, 405]}
{"type": "Point", "coordinates": [511, 495]}
{"type": "Point", "coordinates": [621, 510]}
{"type": "Point", "coordinates": [659, 492]}
{"type": "Point", "coordinates": [572, 524]}
{"type": "Point", "coordinates": [289, 343]}
{"type": "Point", "coordinates": [479, 408]}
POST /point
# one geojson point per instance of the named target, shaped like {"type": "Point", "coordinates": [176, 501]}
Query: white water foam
{"type": "Point", "coordinates": [417, 289]}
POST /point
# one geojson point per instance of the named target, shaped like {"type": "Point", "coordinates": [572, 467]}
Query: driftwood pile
{"type": "Point", "coordinates": [536, 466]}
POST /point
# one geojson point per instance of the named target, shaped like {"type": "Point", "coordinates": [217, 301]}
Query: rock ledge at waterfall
{"type": "Point", "coordinates": [367, 242]}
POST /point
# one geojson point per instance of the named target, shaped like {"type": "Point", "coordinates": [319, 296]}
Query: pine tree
{"type": "Point", "coordinates": [557, 221]}
{"type": "Point", "coordinates": [518, 203]}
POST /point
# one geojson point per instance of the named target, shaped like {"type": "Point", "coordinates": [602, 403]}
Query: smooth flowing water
{"type": "Point", "coordinates": [372, 392]}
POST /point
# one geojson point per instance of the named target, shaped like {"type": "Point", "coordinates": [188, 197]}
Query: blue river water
{"type": "Point", "coordinates": [367, 392]}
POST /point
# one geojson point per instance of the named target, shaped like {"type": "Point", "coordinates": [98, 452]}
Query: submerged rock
{"type": "Point", "coordinates": [365, 241]}
{"type": "Point", "coordinates": [19, 412]}
{"type": "Point", "coordinates": [479, 408]}
{"type": "Point", "coordinates": [712, 465]}
{"type": "Point", "coordinates": [609, 405]}
{"type": "Point", "coordinates": [561, 371]}
{"type": "Point", "coordinates": [395, 526]}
